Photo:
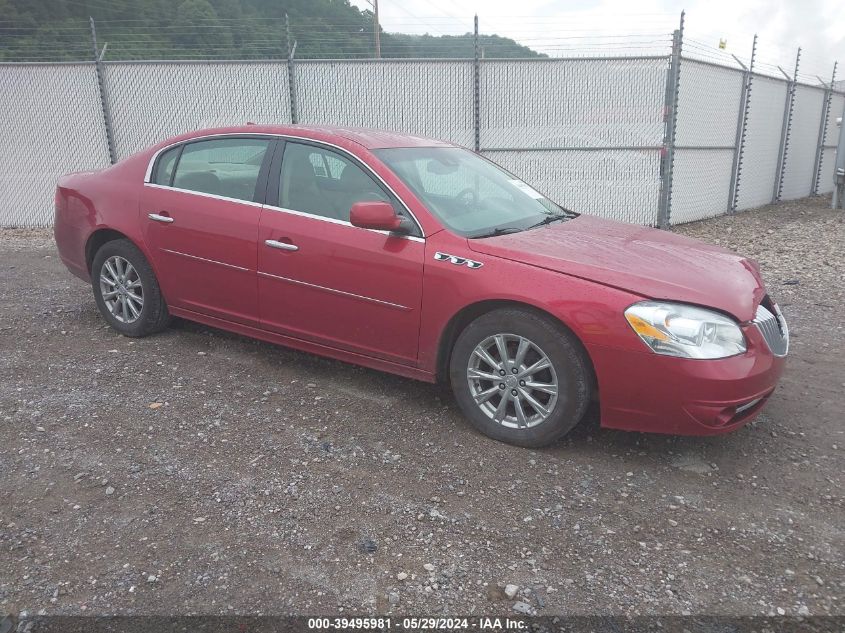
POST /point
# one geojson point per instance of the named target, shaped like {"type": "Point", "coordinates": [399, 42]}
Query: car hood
{"type": "Point", "coordinates": [648, 262]}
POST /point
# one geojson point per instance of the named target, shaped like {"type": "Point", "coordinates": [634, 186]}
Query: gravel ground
{"type": "Point", "coordinates": [202, 472]}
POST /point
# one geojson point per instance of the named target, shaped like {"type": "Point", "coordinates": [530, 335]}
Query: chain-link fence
{"type": "Point", "coordinates": [763, 128]}
{"type": "Point", "coordinates": [52, 125]}
{"type": "Point", "coordinates": [430, 98]}
{"type": "Point", "coordinates": [798, 167]}
{"type": "Point", "coordinates": [709, 105]}
{"type": "Point", "coordinates": [151, 101]}
{"type": "Point", "coordinates": [586, 132]}
{"type": "Point", "coordinates": [606, 136]}
{"type": "Point", "coordinates": [827, 155]}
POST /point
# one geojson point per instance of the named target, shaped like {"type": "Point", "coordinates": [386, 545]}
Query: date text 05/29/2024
{"type": "Point", "coordinates": [418, 624]}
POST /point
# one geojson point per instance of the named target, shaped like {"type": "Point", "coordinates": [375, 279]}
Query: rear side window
{"type": "Point", "coordinates": [222, 167]}
{"type": "Point", "coordinates": [164, 167]}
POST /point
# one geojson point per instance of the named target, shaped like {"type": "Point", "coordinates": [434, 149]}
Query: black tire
{"type": "Point", "coordinates": [153, 316]}
{"type": "Point", "coordinates": [571, 366]}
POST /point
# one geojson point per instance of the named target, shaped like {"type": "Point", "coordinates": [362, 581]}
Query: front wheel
{"type": "Point", "coordinates": [520, 377]}
{"type": "Point", "coordinates": [127, 291]}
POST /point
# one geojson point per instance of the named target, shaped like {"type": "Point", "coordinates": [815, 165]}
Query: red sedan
{"type": "Point", "coordinates": [420, 258]}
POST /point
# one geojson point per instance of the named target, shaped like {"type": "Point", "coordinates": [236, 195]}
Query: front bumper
{"type": "Point", "coordinates": [644, 391]}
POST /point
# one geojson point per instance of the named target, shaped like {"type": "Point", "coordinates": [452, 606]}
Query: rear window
{"type": "Point", "coordinates": [164, 167]}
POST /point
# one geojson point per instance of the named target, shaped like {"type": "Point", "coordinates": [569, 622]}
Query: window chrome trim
{"type": "Point", "coordinates": [323, 218]}
{"type": "Point", "coordinates": [205, 195]}
{"type": "Point", "coordinates": [204, 259]}
{"type": "Point", "coordinates": [269, 207]}
{"type": "Point", "coordinates": [335, 291]}
{"type": "Point", "coordinates": [149, 173]}
{"type": "Point", "coordinates": [271, 135]}
{"type": "Point", "coordinates": [303, 214]}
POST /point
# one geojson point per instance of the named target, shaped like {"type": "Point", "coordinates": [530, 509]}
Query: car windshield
{"type": "Point", "coordinates": [470, 195]}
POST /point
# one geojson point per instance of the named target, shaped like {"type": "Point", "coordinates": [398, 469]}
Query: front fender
{"type": "Point", "coordinates": [593, 312]}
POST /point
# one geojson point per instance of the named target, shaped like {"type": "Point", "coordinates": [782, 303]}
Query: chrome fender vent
{"type": "Point", "coordinates": [458, 261]}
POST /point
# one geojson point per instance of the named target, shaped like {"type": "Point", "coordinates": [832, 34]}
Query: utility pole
{"type": "Point", "coordinates": [376, 29]}
{"type": "Point", "coordinates": [287, 35]}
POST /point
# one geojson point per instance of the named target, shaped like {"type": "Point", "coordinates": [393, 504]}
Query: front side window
{"type": "Point", "coordinates": [322, 182]}
{"type": "Point", "coordinates": [471, 196]}
{"type": "Point", "coordinates": [222, 167]}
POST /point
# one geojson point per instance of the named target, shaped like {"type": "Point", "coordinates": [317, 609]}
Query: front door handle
{"type": "Point", "coordinates": [284, 246]}
{"type": "Point", "coordinates": [160, 218]}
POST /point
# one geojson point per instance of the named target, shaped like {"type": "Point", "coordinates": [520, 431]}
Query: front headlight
{"type": "Point", "coordinates": [676, 329]}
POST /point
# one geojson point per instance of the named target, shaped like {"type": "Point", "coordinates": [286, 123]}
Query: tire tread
{"type": "Point", "coordinates": [157, 318]}
{"type": "Point", "coordinates": [563, 342]}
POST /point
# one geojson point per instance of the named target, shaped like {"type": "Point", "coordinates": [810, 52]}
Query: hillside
{"type": "Point", "coordinates": [216, 29]}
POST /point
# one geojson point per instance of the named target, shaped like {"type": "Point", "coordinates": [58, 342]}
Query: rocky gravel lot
{"type": "Point", "coordinates": [202, 472]}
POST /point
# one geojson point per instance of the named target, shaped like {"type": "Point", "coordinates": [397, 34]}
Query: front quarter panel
{"type": "Point", "coordinates": [637, 389]}
{"type": "Point", "coordinates": [592, 311]}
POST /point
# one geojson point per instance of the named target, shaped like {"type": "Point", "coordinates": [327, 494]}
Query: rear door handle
{"type": "Point", "coordinates": [160, 218]}
{"type": "Point", "coordinates": [284, 246]}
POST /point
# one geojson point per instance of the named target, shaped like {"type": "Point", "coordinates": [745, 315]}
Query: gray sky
{"type": "Point", "coordinates": [595, 26]}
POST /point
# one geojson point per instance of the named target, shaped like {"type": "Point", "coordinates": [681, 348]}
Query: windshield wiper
{"type": "Point", "coordinates": [551, 218]}
{"type": "Point", "coordinates": [499, 230]}
{"type": "Point", "coordinates": [502, 230]}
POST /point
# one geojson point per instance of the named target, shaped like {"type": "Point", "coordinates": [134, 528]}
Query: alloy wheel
{"type": "Point", "coordinates": [512, 381]}
{"type": "Point", "coordinates": [121, 289]}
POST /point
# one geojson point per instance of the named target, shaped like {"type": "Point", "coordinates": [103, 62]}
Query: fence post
{"type": "Point", "coordinates": [670, 118]}
{"type": "Point", "coordinates": [817, 169]}
{"type": "Point", "coordinates": [786, 128]}
{"type": "Point", "coordinates": [838, 198]}
{"type": "Point", "coordinates": [104, 96]}
{"type": "Point", "coordinates": [476, 90]}
{"type": "Point", "coordinates": [294, 115]}
{"type": "Point", "coordinates": [741, 122]}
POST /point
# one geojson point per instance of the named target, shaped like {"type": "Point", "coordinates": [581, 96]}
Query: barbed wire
{"type": "Point", "coordinates": [257, 37]}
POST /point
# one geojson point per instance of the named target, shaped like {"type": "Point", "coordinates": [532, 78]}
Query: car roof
{"type": "Point", "coordinates": [366, 137]}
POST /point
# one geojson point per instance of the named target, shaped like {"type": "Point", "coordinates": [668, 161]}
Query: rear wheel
{"type": "Point", "coordinates": [127, 291]}
{"type": "Point", "coordinates": [520, 377]}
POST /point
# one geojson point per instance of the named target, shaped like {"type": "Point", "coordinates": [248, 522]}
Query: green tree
{"type": "Point", "coordinates": [200, 30]}
{"type": "Point", "coordinates": [240, 29]}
